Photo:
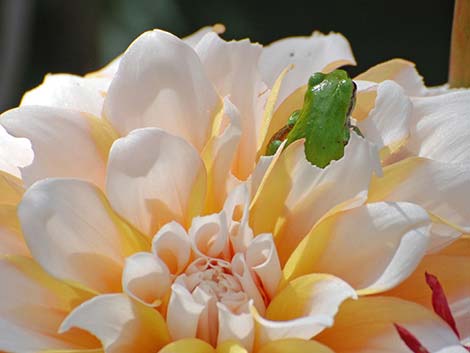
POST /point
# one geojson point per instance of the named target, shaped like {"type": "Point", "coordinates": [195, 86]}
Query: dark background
{"type": "Point", "coordinates": [77, 36]}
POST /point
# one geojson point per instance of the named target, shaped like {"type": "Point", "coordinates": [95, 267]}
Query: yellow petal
{"type": "Point", "coordinates": [315, 294]}
{"type": "Point", "coordinates": [294, 346]}
{"type": "Point", "coordinates": [11, 238]}
{"type": "Point", "coordinates": [188, 345]}
{"type": "Point", "coordinates": [11, 189]}
{"type": "Point", "coordinates": [99, 350]}
{"type": "Point", "coordinates": [231, 347]}
{"type": "Point", "coordinates": [401, 71]}
{"type": "Point", "coordinates": [366, 325]}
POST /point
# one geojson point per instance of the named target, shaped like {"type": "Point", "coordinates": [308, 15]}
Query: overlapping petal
{"type": "Point", "coordinates": [73, 233]}
{"type": "Point", "coordinates": [154, 178]}
{"type": "Point", "coordinates": [161, 83]}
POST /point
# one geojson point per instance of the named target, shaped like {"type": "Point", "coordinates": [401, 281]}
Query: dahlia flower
{"type": "Point", "coordinates": [138, 212]}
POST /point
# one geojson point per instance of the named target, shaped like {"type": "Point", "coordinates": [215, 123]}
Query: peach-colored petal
{"type": "Point", "coordinates": [233, 68]}
{"type": "Point", "coordinates": [231, 347]}
{"type": "Point", "coordinates": [69, 92]}
{"type": "Point", "coordinates": [153, 178]}
{"type": "Point", "coordinates": [295, 194]}
{"type": "Point", "coordinates": [146, 278]}
{"type": "Point", "coordinates": [80, 137]}
{"type": "Point", "coordinates": [401, 71]}
{"type": "Point", "coordinates": [32, 306]}
{"type": "Point", "coordinates": [15, 153]}
{"type": "Point", "coordinates": [318, 52]}
{"type": "Point", "coordinates": [11, 238]}
{"type": "Point", "coordinates": [209, 236]}
{"type": "Point", "coordinates": [172, 245]}
{"type": "Point", "coordinates": [238, 327]}
{"type": "Point", "coordinates": [219, 154]}
{"type": "Point", "coordinates": [183, 313]}
{"type": "Point", "coordinates": [440, 188]}
{"type": "Point", "coordinates": [388, 122]}
{"type": "Point", "coordinates": [244, 274]}
{"type": "Point", "coordinates": [73, 233]}
{"type": "Point", "coordinates": [294, 346]}
{"type": "Point", "coordinates": [11, 189]}
{"type": "Point", "coordinates": [366, 325]}
{"type": "Point", "coordinates": [189, 345]}
{"type": "Point", "coordinates": [385, 240]}
{"type": "Point", "coordinates": [121, 324]}
{"type": "Point", "coordinates": [262, 258]}
{"type": "Point", "coordinates": [452, 267]}
{"type": "Point", "coordinates": [161, 83]}
{"type": "Point", "coordinates": [236, 209]}
{"type": "Point", "coordinates": [440, 127]}
{"type": "Point", "coordinates": [314, 295]}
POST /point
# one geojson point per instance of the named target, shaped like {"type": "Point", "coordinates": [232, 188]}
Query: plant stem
{"type": "Point", "coordinates": [459, 68]}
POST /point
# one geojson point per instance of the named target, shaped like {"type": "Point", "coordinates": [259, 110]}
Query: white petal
{"type": "Point", "coordinates": [172, 245]}
{"type": "Point", "coordinates": [161, 83]}
{"type": "Point", "coordinates": [69, 92]}
{"type": "Point", "coordinates": [183, 313]}
{"type": "Point", "coordinates": [440, 188]}
{"type": "Point", "coordinates": [72, 232]}
{"type": "Point", "coordinates": [236, 209]}
{"type": "Point", "coordinates": [244, 274]}
{"type": "Point", "coordinates": [441, 127]}
{"type": "Point", "coordinates": [388, 122]}
{"type": "Point", "coordinates": [308, 55]}
{"type": "Point", "coordinates": [15, 152]}
{"type": "Point", "coordinates": [262, 258]}
{"type": "Point", "coordinates": [209, 236]}
{"type": "Point", "coordinates": [239, 328]}
{"type": "Point", "coordinates": [296, 194]}
{"type": "Point", "coordinates": [62, 141]}
{"type": "Point", "coordinates": [153, 178]}
{"type": "Point", "coordinates": [146, 278]}
{"type": "Point", "coordinates": [120, 324]}
{"type": "Point", "coordinates": [385, 240]}
{"type": "Point", "coordinates": [233, 68]}
{"type": "Point", "coordinates": [194, 38]}
{"type": "Point", "coordinates": [219, 154]}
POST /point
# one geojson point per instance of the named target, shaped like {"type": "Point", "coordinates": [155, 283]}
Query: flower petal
{"type": "Point", "coordinates": [73, 233]}
{"type": "Point", "coordinates": [188, 345]}
{"type": "Point", "coordinates": [83, 139]}
{"type": "Point", "coordinates": [310, 295]}
{"type": "Point", "coordinates": [32, 306]}
{"type": "Point", "coordinates": [15, 152]}
{"type": "Point", "coordinates": [401, 71]}
{"type": "Point", "coordinates": [218, 156]}
{"type": "Point", "coordinates": [441, 127]}
{"type": "Point", "coordinates": [11, 189]}
{"type": "Point", "coordinates": [121, 324]}
{"type": "Point", "coordinates": [209, 236]}
{"type": "Point", "coordinates": [295, 194]}
{"type": "Point", "coordinates": [452, 267]}
{"type": "Point", "coordinates": [385, 240]}
{"type": "Point", "coordinates": [11, 238]}
{"type": "Point", "coordinates": [153, 188]}
{"type": "Point", "coordinates": [262, 258]}
{"type": "Point", "coordinates": [172, 245]}
{"type": "Point", "coordinates": [69, 92]}
{"type": "Point", "coordinates": [318, 52]}
{"type": "Point", "coordinates": [161, 83]}
{"type": "Point", "coordinates": [366, 325]}
{"type": "Point", "coordinates": [388, 122]}
{"type": "Point", "coordinates": [412, 179]}
{"type": "Point", "coordinates": [183, 313]}
{"type": "Point", "coordinates": [231, 347]}
{"type": "Point", "coordinates": [146, 278]}
{"type": "Point", "coordinates": [294, 346]}
{"type": "Point", "coordinates": [237, 327]}
{"type": "Point", "coordinates": [233, 68]}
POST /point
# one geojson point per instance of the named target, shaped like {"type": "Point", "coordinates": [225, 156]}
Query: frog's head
{"type": "Point", "coordinates": [339, 79]}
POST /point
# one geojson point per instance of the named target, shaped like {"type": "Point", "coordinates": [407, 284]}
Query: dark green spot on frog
{"type": "Point", "coordinates": [324, 120]}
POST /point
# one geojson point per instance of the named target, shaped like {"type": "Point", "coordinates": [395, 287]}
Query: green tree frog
{"type": "Point", "coordinates": [324, 120]}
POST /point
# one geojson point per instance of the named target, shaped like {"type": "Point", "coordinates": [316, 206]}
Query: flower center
{"type": "Point", "coordinates": [214, 277]}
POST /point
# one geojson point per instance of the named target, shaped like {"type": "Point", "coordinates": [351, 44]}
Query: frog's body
{"type": "Point", "coordinates": [324, 120]}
